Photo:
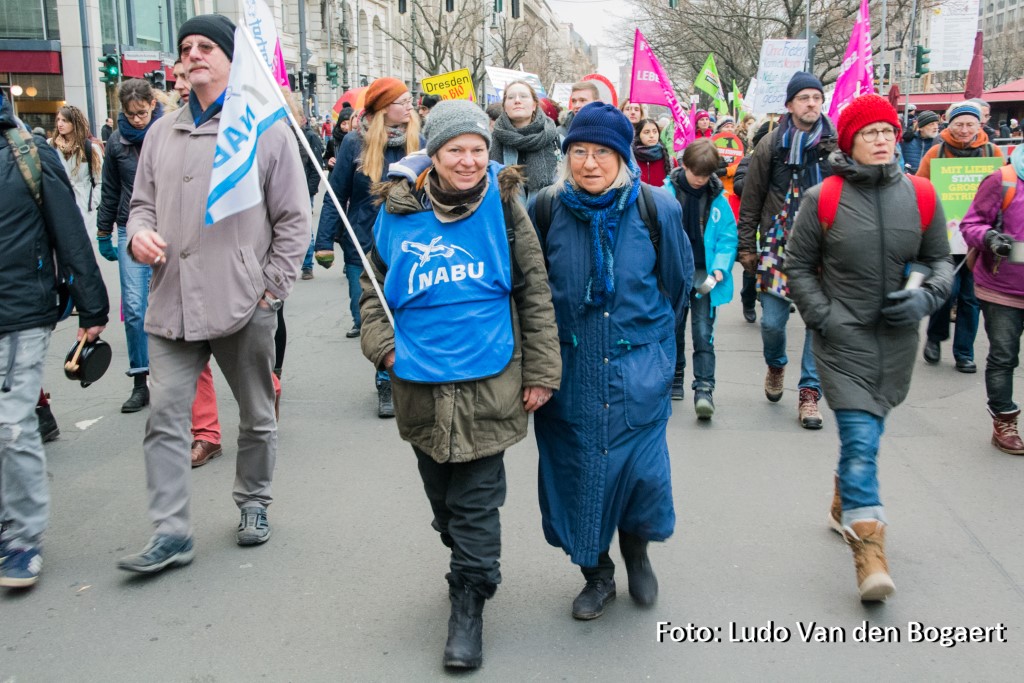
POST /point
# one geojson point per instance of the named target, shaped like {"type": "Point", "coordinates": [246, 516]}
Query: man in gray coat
{"type": "Point", "coordinates": [215, 291]}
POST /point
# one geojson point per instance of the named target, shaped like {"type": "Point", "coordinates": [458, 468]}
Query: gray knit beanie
{"type": "Point", "coordinates": [452, 118]}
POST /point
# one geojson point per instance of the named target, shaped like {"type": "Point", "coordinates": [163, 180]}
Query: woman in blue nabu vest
{"type": "Point", "coordinates": [620, 274]}
{"type": "Point", "coordinates": [474, 348]}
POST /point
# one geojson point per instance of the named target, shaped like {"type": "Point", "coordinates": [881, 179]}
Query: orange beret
{"type": "Point", "coordinates": [382, 92]}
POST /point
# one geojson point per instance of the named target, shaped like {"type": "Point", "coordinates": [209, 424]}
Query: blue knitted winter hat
{"type": "Point", "coordinates": [601, 124]}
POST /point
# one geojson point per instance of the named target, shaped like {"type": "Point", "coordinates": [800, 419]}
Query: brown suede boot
{"type": "Point", "coordinates": [835, 515]}
{"type": "Point", "coordinates": [773, 383]}
{"type": "Point", "coordinates": [807, 409]}
{"type": "Point", "coordinates": [867, 540]}
{"type": "Point", "coordinates": [1004, 433]}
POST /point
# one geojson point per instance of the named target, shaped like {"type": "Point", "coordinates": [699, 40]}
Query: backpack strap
{"type": "Point", "coordinates": [1009, 184]}
{"type": "Point", "coordinates": [542, 215]}
{"type": "Point", "coordinates": [649, 215]}
{"type": "Point", "coordinates": [27, 158]}
{"type": "Point", "coordinates": [828, 201]}
{"type": "Point", "coordinates": [926, 199]}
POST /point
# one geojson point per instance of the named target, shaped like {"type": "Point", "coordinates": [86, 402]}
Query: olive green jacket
{"type": "Point", "coordinates": [464, 421]}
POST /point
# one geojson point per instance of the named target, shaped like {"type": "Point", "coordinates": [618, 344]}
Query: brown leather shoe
{"type": "Point", "coordinates": [1004, 433]}
{"type": "Point", "coordinates": [810, 416]}
{"type": "Point", "coordinates": [204, 451]}
{"type": "Point", "coordinates": [773, 383]}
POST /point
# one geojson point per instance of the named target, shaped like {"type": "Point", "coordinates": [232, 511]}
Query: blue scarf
{"type": "Point", "coordinates": [798, 141]}
{"type": "Point", "coordinates": [603, 212]}
{"type": "Point", "coordinates": [198, 115]}
{"type": "Point", "coordinates": [133, 135]}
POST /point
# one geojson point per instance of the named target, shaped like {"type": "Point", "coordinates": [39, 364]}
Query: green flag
{"type": "Point", "coordinates": [708, 81]}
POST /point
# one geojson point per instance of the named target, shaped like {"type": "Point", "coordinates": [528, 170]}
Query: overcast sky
{"type": "Point", "coordinates": [592, 19]}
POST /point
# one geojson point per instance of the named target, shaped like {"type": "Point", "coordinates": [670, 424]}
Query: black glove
{"type": "Point", "coordinates": [908, 307]}
{"type": "Point", "coordinates": [723, 167]}
{"type": "Point", "coordinates": [998, 242]}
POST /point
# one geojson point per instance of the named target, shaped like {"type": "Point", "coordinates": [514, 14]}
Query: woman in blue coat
{"type": "Point", "coordinates": [604, 463]}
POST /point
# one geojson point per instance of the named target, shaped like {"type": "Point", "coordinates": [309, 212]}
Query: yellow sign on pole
{"type": "Point", "coordinates": [454, 85]}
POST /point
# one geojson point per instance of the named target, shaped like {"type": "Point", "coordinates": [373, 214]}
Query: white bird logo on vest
{"type": "Point", "coordinates": [428, 251]}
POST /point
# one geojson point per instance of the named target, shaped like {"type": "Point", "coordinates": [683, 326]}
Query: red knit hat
{"type": "Point", "coordinates": [382, 92]}
{"type": "Point", "coordinates": [862, 112]}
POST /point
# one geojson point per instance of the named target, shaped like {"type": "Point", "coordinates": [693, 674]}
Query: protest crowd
{"type": "Point", "coordinates": [501, 263]}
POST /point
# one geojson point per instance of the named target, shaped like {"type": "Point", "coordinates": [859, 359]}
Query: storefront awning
{"type": "Point", "coordinates": [30, 62]}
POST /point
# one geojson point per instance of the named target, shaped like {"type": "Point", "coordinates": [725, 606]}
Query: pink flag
{"type": "Point", "coordinates": [651, 85]}
{"type": "Point", "coordinates": [856, 76]}
{"type": "Point", "coordinates": [280, 74]}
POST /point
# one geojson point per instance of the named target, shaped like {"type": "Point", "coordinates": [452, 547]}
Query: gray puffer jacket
{"type": "Point", "coordinates": [840, 278]}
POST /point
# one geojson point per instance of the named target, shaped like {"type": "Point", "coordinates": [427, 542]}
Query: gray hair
{"type": "Point", "coordinates": [564, 174]}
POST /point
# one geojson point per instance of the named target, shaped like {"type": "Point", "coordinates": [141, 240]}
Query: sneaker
{"type": "Point", "coordinates": [773, 383]}
{"type": "Point", "coordinates": [21, 568]}
{"type": "Point", "coordinates": [385, 406]}
{"type": "Point", "coordinates": [703, 404]}
{"type": "Point", "coordinates": [48, 429]}
{"type": "Point", "coordinates": [161, 552]}
{"type": "Point", "coordinates": [678, 390]}
{"type": "Point", "coordinates": [807, 408]}
{"type": "Point", "coordinates": [307, 273]}
{"type": "Point", "coordinates": [253, 528]}
{"type": "Point", "coordinates": [353, 333]}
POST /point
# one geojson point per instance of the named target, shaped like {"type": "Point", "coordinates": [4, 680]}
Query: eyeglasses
{"type": "Point", "coordinates": [137, 115]}
{"type": "Point", "coordinates": [204, 48]}
{"type": "Point", "coordinates": [872, 134]}
{"type": "Point", "coordinates": [804, 99]}
{"type": "Point", "coordinates": [404, 102]}
{"type": "Point", "coordinates": [601, 154]}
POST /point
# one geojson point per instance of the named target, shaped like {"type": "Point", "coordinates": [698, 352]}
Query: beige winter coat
{"type": "Point", "coordinates": [215, 275]}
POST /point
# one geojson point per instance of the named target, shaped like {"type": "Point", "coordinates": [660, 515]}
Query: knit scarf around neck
{"type": "Point", "coordinates": [603, 212]}
{"type": "Point", "coordinates": [655, 152]}
{"type": "Point", "coordinates": [798, 141]}
{"type": "Point", "coordinates": [396, 134]}
{"type": "Point", "coordinates": [535, 144]}
{"type": "Point", "coordinates": [67, 147]}
{"type": "Point", "coordinates": [133, 135]}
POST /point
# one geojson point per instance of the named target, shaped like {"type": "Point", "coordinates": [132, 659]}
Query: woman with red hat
{"type": "Point", "coordinates": [387, 131]}
{"type": "Point", "coordinates": [856, 238]}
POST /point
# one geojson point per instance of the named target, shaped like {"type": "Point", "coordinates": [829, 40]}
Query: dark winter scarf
{"type": "Point", "coordinates": [396, 134]}
{"type": "Point", "coordinates": [654, 152]}
{"type": "Point", "coordinates": [453, 203]}
{"type": "Point", "coordinates": [798, 141]}
{"type": "Point", "coordinates": [198, 115]}
{"type": "Point", "coordinates": [690, 199]}
{"type": "Point", "coordinates": [603, 212]}
{"type": "Point", "coordinates": [536, 144]}
{"type": "Point", "coordinates": [133, 135]}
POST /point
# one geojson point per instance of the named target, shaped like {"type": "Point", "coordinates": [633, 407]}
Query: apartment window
{"type": "Point", "coordinates": [33, 20]}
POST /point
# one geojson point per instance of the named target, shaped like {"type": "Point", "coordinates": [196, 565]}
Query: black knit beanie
{"type": "Point", "coordinates": [802, 80]}
{"type": "Point", "coordinates": [216, 27]}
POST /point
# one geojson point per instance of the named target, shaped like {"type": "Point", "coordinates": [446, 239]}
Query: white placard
{"type": "Point", "coordinates": [780, 59]}
{"type": "Point", "coordinates": [954, 25]}
{"type": "Point", "coordinates": [500, 78]}
{"type": "Point", "coordinates": [560, 93]}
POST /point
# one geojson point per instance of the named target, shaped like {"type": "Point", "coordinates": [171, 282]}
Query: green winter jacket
{"type": "Point", "coordinates": [840, 278]}
{"type": "Point", "coordinates": [460, 422]}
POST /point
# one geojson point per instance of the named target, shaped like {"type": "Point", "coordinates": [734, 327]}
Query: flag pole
{"type": "Point", "coordinates": [265, 70]}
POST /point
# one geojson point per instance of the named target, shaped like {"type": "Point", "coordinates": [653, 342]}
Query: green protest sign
{"type": "Point", "coordinates": [956, 182]}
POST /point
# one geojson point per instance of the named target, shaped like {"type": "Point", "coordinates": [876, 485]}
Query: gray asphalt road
{"type": "Point", "coordinates": [351, 586]}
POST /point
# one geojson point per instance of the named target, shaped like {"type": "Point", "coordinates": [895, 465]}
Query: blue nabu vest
{"type": "Point", "coordinates": [449, 288]}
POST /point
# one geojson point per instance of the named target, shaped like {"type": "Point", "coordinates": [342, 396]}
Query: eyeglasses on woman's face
{"type": "Point", "coordinates": [601, 154]}
{"type": "Point", "coordinates": [871, 134]}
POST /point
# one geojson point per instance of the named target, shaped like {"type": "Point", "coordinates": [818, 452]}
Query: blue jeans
{"type": "Point", "coordinates": [774, 316]}
{"type": "Point", "coordinates": [859, 434]}
{"type": "Point", "coordinates": [307, 263]}
{"type": "Point", "coordinates": [134, 299]}
{"type": "Point", "coordinates": [702, 330]}
{"type": "Point", "coordinates": [1003, 325]}
{"type": "Point", "coordinates": [967, 313]}
{"type": "Point", "coordinates": [355, 290]}
{"type": "Point", "coordinates": [24, 488]}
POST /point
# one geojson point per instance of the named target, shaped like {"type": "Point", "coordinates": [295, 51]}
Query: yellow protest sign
{"type": "Point", "coordinates": [454, 85]}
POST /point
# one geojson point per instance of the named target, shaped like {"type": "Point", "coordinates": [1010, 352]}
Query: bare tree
{"type": "Point", "coordinates": [442, 41]}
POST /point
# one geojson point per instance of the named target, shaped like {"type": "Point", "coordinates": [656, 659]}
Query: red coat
{"type": "Point", "coordinates": [653, 172]}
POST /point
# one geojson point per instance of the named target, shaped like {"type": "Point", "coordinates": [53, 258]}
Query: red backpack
{"type": "Point", "coordinates": [832, 190]}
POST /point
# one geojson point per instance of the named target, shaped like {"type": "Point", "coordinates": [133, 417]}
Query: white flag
{"type": "Point", "coordinates": [251, 106]}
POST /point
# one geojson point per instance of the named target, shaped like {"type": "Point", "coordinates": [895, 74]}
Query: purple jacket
{"type": "Point", "coordinates": [979, 219]}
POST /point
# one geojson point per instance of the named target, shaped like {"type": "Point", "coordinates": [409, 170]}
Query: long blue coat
{"type": "Point", "coordinates": [604, 461]}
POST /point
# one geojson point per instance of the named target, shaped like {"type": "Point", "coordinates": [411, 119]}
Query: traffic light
{"type": "Point", "coordinates": [402, 9]}
{"type": "Point", "coordinates": [515, 8]}
{"type": "Point", "coordinates": [449, 5]}
{"type": "Point", "coordinates": [110, 71]}
{"type": "Point", "coordinates": [158, 79]}
{"type": "Point", "coordinates": [921, 61]}
{"type": "Point", "coordinates": [310, 81]}
{"type": "Point", "coordinates": [672, 4]}
{"type": "Point", "coordinates": [332, 73]}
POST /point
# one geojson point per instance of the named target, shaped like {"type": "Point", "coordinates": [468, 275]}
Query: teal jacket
{"type": "Point", "coordinates": [720, 237]}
